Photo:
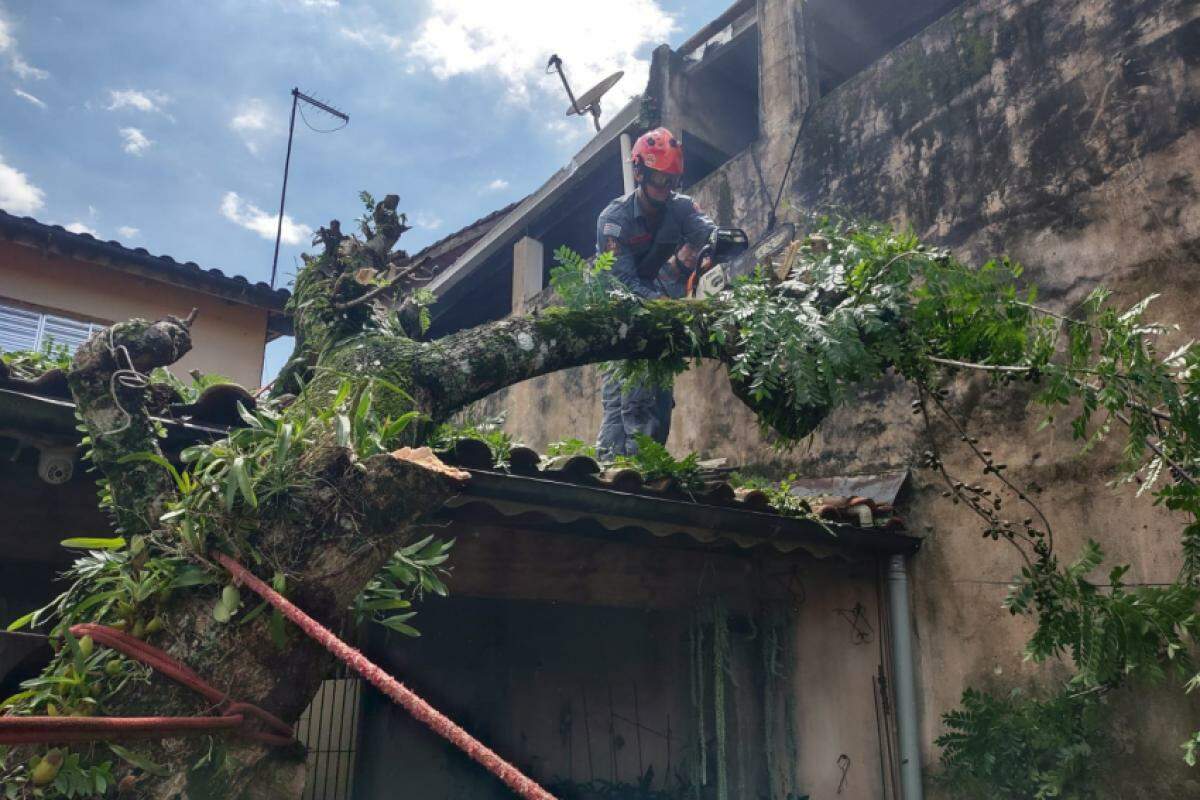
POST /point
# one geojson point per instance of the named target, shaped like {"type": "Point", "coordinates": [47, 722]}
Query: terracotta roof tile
{"type": "Point", "coordinates": [236, 287]}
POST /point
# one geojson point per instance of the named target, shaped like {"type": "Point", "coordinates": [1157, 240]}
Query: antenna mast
{"type": "Point", "coordinates": [589, 101]}
{"type": "Point", "coordinates": [297, 96]}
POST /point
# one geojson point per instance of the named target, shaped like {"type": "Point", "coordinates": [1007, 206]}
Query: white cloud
{"type": "Point", "coordinates": [514, 40]}
{"type": "Point", "coordinates": [25, 71]}
{"type": "Point", "coordinates": [126, 232]}
{"type": "Point", "coordinates": [371, 38]}
{"type": "Point", "coordinates": [79, 227]}
{"type": "Point", "coordinates": [149, 100]}
{"type": "Point", "coordinates": [17, 194]}
{"type": "Point", "coordinates": [8, 47]}
{"type": "Point", "coordinates": [320, 5]}
{"type": "Point", "coordinates": [253, 218]}
{"type": "Point", "coordinates": [29, 98]}
{"type": "Point", "coordinates": [497, 185]}
{"type": "Point", "coordinates": [136, 142]}
{"type": "Point", "coordinates": [254, 123]}
{"type": "Point", "coordinates": [252, 116]}
{"type": "Point", "coordinates": [429, 222]}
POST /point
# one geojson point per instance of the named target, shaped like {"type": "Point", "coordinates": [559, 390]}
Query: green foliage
{"type": "Point", "coordinates": [221, 489]}
{"type": "Point", "coordinates": [1112, 634]}
{"type": "Point", "coordinates": [1017, 747]}
{"type": "Point", "coordinates": [779, 493]}
{"type": "Point", "coordinates": [409, 573]}
{"type": "Point", "coordinates": [56, 773]}
{"type": "Point", "coordinates": [654, 462]}
{"type": "Point", "coordinates": [30, 364]}
{"type": "Point", "coordinates": [368, 201]}
{"type": "Point", "coordinates": [570, 447]}
{"type": "Point", "coordinates": [226, 482]}
{"type": "Point", "coordinates": [580, 283]}
{"type": "Point", "coordinates": [660, 372]}
{"type": "Point", "coordinates": [424, 299]}
{"type": "Point", "coordinates": [190, 390]}
{"type": "Point", "coordinates": [488, 430]}
{"type": "Point", "coordinates": [392, 322]}
{"type": "Point", "coordinates": [786, 501]}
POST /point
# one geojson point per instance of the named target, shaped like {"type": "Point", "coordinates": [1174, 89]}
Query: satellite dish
{"type": "Point", "coordinates": [589, 101]}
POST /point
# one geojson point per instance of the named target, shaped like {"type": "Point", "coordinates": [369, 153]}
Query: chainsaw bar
{"type": "Point", "coordinates": [722, 276]}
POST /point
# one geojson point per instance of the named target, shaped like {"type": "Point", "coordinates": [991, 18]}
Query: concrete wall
{"type": "Point", "coordinates": [571, 656]}
{"type": "Point", "coordinates": [1061, 132]}
{"type": "Point", "coordinates": [228, 338]}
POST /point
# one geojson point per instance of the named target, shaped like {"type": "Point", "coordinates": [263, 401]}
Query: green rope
{"type": "Point", "coordinates": [720, 665]}
{"type": "Point", "coordinates": [770, 644]}
{"type": "Point", "coordinates": [776, 645]}
{"type": "Point", "coordinates": [791, 741]}
{"type": "Point", "coordinates": [700, 772]}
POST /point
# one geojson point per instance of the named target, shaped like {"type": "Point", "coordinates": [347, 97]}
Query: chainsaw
{"type": "Point", "coordinates": [728, 256]}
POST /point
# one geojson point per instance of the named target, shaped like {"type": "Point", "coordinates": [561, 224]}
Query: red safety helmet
{"type": "Point", "coordinates": [658, 150]}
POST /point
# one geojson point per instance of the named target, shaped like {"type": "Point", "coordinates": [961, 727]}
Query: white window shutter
{"type": "Point", "coordinates": [18, 329]}
{"type": "Point", "coordinates": [61, 331]}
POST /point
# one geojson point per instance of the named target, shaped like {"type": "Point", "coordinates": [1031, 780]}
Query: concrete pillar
{"type": "Point", "coordinates": [785, 87]}
{"type": "Point", "coordinates": [528, 255]}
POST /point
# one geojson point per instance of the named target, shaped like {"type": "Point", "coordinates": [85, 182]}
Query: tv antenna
{"type": "Point", "coordinates": [297, 97]}
{"type": "Point", "coordinates": [589, 101]}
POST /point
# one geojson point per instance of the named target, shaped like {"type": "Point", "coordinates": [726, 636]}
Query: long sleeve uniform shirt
{"type": "Point", "coordinates": [639, 249]}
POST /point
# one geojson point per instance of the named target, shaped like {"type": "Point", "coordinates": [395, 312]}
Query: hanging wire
{"type": "Point", "coordinates": [126, 377]}
{"type": "Point", "coordinates": [300, 106]}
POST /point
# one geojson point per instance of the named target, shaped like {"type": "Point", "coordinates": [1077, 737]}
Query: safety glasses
{"type": "Point", "coordinates": [660, 180]}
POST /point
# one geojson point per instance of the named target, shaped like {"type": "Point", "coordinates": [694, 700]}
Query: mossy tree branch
{"type": "Point", "coordinates": [110, 399]}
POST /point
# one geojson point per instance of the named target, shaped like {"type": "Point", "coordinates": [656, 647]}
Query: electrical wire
{"type": "Point", "coordinates": [300, 107]}
{"type": "Point", "coordinates": [771, 219]}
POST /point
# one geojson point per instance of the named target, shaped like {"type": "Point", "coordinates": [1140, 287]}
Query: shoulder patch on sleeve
{"type": "Point", "coordinates": [611, 229]}
{"type": "Point", "coordinates": [612, 245]}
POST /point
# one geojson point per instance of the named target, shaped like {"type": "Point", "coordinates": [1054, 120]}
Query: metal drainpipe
{"type": "Point", "coordinates": [626, 164]}
{"type": "Point", "coordinates": [904, 680]}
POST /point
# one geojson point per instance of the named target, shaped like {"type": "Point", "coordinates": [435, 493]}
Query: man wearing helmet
{"type": "Point", "coordinates": [654, 234]}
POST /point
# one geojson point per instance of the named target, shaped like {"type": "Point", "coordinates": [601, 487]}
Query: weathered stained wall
{"type": "Point", "coordinates": [1061, 132]}
{"type": "Point", "coordinates": [228, 338]}
{"type": "Point", "coordinates": [572, 656]}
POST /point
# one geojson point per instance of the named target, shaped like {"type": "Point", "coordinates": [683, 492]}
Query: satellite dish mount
{"type": "Point", "coordinates": [589, 101]}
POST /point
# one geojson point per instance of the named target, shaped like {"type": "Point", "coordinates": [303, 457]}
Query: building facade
{"type": "Point", "coordinates": [57, 287]}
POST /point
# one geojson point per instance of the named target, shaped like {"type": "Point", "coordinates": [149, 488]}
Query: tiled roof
{"type": "Point", "coordinates": [869, 509]}
{"type": "Point", "coordinates": [26, 230]}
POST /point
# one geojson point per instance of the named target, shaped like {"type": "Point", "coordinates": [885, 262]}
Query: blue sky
{"type": "Point", "coordinates": [163, 124]}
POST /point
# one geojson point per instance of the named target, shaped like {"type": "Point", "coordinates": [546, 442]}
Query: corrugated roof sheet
{"type": "Point", "coordinates": [866, 509]}
{"type": "Point", "coordinates": [850, 513]}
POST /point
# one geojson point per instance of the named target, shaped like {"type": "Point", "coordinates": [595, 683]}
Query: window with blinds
{"type": "Point", "coordinates": [27, 329]}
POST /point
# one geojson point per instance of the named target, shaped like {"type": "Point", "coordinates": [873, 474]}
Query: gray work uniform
{"type": "Point", "coordinates": [640, 252]}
